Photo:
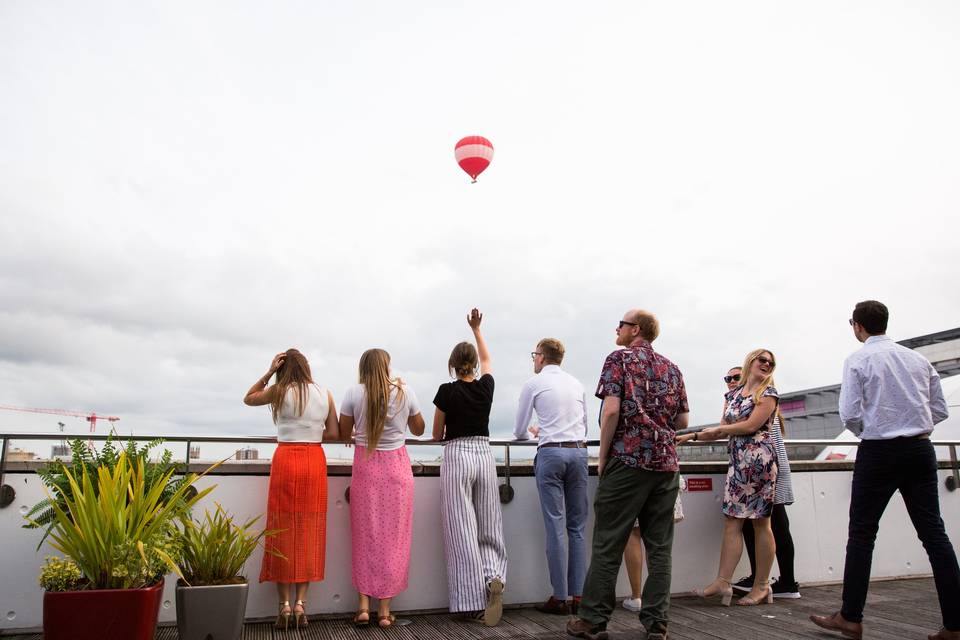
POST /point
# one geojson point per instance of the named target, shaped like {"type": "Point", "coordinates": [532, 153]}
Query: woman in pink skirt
{"type": "Point", "coordinates": [379, 410]}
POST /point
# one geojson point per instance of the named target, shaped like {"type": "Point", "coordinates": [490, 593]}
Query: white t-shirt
{"type": "Point", "coordinates": [395, 428]}
{"type": "Point", "coordinates": [309, 426]}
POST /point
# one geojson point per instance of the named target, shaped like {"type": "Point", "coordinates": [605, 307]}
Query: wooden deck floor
{"type": "Point", "coordinates": [896, 609]}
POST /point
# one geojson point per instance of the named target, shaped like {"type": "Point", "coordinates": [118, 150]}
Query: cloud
{"type": "Point", "coordinates": [181, 199]}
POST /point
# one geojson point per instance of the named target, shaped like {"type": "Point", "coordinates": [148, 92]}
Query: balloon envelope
{"type": "Point", "coordinates": [473, 154]}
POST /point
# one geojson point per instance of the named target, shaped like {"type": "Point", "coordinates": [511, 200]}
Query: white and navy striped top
{"type": "Point", "coordinates": [784, 489]}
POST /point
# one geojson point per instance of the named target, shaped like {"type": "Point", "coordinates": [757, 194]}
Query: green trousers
{"type": "Point", "coordinates": [625, 495]}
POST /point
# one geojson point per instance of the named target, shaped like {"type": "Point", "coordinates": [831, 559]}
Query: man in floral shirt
{"type": "Point", "coordinates": [644, 404]}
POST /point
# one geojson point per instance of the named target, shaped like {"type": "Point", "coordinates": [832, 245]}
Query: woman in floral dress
{"type": "Point", "coordinates": [748, 411]}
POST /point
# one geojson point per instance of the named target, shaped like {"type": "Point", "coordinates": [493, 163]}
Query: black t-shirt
{"type": "Point", "coordinates": [467, 407]}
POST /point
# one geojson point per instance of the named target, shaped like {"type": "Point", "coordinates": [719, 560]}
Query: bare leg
{"type": "Point", "coordinates": [302, 588]}
{"type": "Point", "coordinates": [633, 557]}
{"type": "Point", "coordinates": [730, 552]}
{"type": "Point", "coordinates": [384, 611]}
{"type": "Point", "coordinates": [283, 617]}
{"type": "Point", "coordinates": [766, 549]}
{"type": "Point", "coordinates": [363, 608]}
{"type": "Point", "coordinates": [298, 608]}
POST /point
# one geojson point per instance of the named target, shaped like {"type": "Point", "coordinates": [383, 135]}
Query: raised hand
{"type": "Point", "coordinates": [474, 319]}
{"type": "Point", "coordinates": [277, 362]}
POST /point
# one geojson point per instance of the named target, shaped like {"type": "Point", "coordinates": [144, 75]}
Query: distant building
{"type": "Point", "coordinates": [195, 453]}
{"type": "Point", "coordinates": [248, 453]}
{"type": "Point", "coordinates": [58, 451]}
{"type": "Point", "coordinates": [19, 455]}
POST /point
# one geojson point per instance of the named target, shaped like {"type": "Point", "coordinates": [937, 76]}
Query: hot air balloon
{"type": "Point", "coordinates": [473, 154]}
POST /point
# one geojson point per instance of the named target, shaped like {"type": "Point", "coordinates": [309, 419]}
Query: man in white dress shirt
{"type": "Point", "coordinates": [561, 469]}
{"type": "Point", "coordinates": [891, 397]}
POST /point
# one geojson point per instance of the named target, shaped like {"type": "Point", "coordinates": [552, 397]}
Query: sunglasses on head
{"type": "Point", "coordinates": [766, 361]}
{"type": "Point", "coordinates": [733, 378]}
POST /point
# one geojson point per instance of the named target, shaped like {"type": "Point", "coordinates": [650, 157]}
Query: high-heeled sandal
{"type": "Point", "coordinates": [283, 618]}
{"type": "Point", "coordinates": [747, 601]}
{"type": "Point", "coordinates": [725, 593]}
{"type": "Point", "coordinates": [357, 622]}
{"type": "Point", "coordinates": [300, 617]}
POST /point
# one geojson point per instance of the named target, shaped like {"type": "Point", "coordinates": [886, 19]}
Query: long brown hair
{"type": "Point", "coordinates": [295, 373]}
{"type": "Point", "coordinates": [375, 377]}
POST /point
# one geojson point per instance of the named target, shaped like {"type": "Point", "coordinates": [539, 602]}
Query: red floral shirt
{"type": "Point", "coordinates": [652, 395]}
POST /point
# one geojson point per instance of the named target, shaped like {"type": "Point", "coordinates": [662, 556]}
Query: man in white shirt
{"type": "Point", "coordinates": [891, 397]}
{"type": "Point", "coordinates": [560, 467]}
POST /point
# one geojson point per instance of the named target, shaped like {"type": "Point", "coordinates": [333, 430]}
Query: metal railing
{"type": "Point", "coordinates": [7, 493]}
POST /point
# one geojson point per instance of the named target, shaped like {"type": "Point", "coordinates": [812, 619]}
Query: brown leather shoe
{"type": "Point", "coordinates": [554, 606]}
{"type": "Point", "coordinates": [837, 622]}
{"type": "Point", "coordinates": [580, 628]}
{"type": "Point", "coordinates": [943, 634]}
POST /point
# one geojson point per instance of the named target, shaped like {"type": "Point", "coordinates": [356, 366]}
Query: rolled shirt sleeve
{"type": "Point", "coordinates": [851, 399]}
{"type": "Point", "coordinates": [524, 411]}
{"type": "Point", "coordinates": [938, 404]}
{"type": "Point", "coordinates": [611, 376]}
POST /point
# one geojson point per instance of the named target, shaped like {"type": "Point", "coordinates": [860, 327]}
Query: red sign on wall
{"type": "Point", "coordinates": [699, 484]}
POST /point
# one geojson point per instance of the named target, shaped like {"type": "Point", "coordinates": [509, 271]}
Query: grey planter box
{"type": "Point", "coordinates": [211, 613]}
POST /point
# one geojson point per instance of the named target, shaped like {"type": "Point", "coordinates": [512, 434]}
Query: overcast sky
{"type": "Point", "coordinates": [187, 188]}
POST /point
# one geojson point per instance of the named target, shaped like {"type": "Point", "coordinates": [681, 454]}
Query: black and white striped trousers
{"type": "Point", "coordinates": [472, 522]}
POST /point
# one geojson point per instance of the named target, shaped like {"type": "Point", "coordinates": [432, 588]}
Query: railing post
{"type": "Point", "coordinates": [953, 481]}
{"type": "Point", "coordinates": [7, 494]}
{"type": "Point", "coordinates": [506, 491]}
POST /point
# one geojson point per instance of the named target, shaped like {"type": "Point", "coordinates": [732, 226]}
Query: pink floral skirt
{"type": "Point", "coordinates": [381, 521]}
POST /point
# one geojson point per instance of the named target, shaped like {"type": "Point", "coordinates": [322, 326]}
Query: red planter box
{"type": "Point", "coordinates": [130, 614]}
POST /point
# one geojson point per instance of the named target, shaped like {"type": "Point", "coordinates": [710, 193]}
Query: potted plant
{"type": "Point", "coordinates": [119, 530]}
{"type": "Point", "coordinates": [212, 590]}
{"type": "Point", "coordinates": [84, 456]}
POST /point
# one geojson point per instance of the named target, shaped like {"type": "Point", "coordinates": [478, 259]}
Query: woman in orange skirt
{"type": "Point", "coordinates": [305, 415]}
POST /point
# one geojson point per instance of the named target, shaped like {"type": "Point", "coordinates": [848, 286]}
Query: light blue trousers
{"type": "Point", "coordinates": [562, 482]}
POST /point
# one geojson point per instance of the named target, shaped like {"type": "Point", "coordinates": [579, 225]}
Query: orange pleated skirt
{"type": "Point", "coordinates": [297, 505]}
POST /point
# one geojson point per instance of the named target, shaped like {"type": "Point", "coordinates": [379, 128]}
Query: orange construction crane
{"type": "Point", "coordinates": [90, 417]}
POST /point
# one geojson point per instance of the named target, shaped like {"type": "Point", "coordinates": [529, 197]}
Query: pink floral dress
{"type": "Point", "coordinates": [752, 474]}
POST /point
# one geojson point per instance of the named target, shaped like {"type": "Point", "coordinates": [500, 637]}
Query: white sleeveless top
{"type": "Point", "coordinates": [309, 426]}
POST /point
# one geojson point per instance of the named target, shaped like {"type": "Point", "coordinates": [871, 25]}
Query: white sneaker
{"type": "Point", "coordinates": [631, 604]}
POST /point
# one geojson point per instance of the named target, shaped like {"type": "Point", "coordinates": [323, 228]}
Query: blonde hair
{"type": "Point", "coordinates": [552, 350]}
{"type": "Point", "coordinates": [648, 324]}
{"type": "Point", "coordinates": [766, 382]}
{"type": "Point", "coordinates": [374, 372]}
{"type": "Point", "coordinates": [293, 373]}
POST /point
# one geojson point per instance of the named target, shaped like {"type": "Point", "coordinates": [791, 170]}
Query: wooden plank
{"type": "Point", "coordinates": [895, 610]}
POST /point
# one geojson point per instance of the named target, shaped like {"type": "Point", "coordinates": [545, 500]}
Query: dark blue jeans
{"type": "Point", "coordinates": [907, 465]}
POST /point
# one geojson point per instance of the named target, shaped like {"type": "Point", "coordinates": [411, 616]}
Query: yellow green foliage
{"type": "Point", "coordinates": [60, 574]}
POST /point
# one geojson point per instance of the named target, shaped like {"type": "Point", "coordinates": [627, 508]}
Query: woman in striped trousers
{"type": "Point", "coordinates": [469, 496]}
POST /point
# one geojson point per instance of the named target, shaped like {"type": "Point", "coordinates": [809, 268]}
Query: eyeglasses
{"type": "Point", "coordinates": [623, 322]}
{"type": "Point", "coordinates": [851, 321]}
{"type": "Point", "coordinates": [766, 361]}
{"type": "Point", "coordinates": [534, 354]}
{"type": "Point", "coordinates": [729, 379]}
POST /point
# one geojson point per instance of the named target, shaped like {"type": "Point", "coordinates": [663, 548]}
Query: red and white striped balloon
{"type": "Point", "coordinates": [473, 154]}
